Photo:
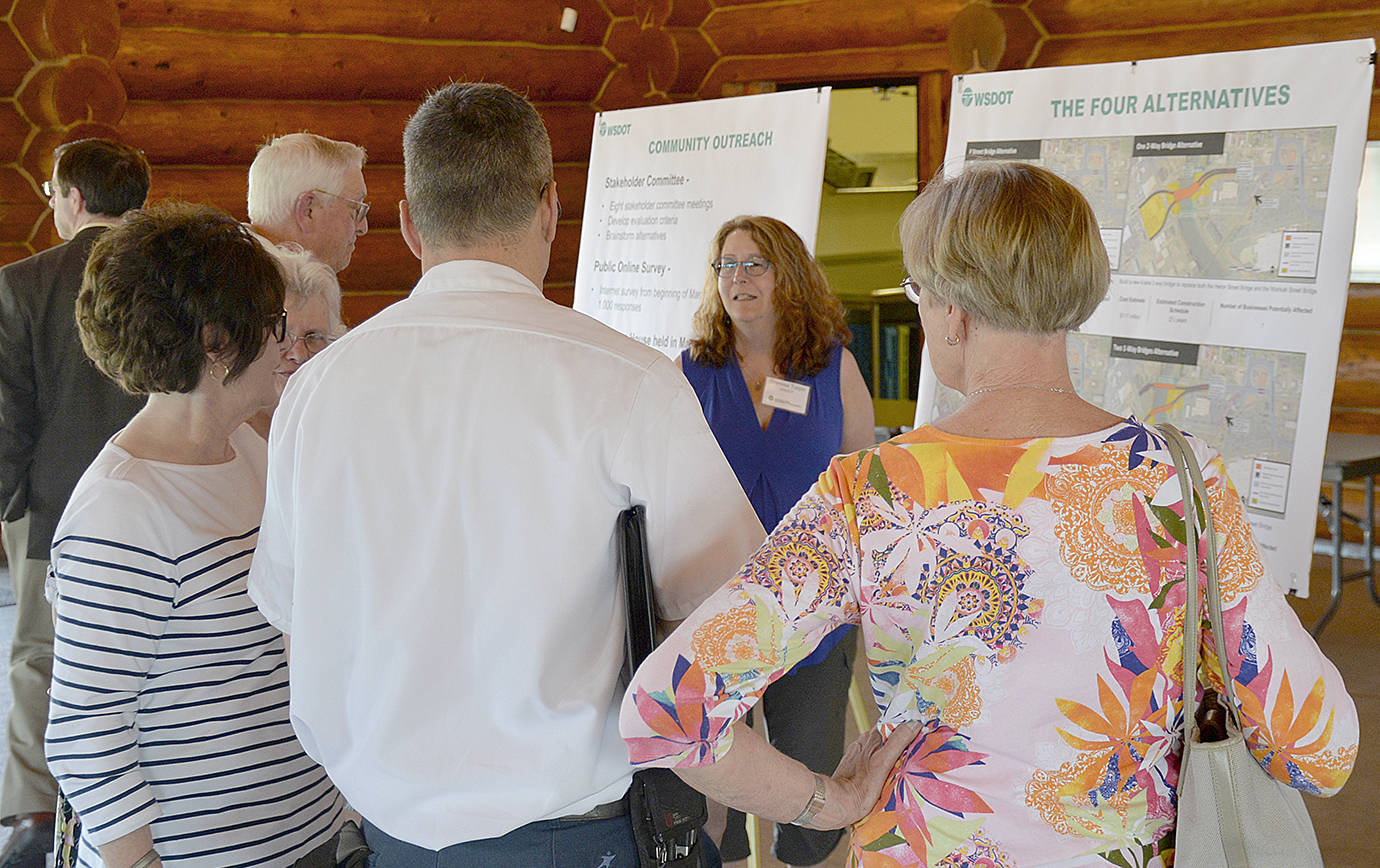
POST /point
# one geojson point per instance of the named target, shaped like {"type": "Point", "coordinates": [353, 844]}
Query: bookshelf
{"type": "Point", "coordinates": [887, 341]}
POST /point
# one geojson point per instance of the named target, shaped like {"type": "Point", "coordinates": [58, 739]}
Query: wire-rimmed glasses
{"type": "Point", "coordinates": [359, 207]}
{"type": "Point", "coordinates": [726, 268]}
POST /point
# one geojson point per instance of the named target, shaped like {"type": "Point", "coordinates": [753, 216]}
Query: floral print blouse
{"type": "Point", "coordinates": [1023, 600]}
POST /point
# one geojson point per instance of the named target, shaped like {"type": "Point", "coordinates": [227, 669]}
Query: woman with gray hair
{"type": "Point", "coordinates": [312, 302]}
{"type": "Point", "coordinates": [1017, 572]}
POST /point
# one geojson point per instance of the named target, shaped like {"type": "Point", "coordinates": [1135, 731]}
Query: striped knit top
{"type": "Point", "coordinates": [170, 690]}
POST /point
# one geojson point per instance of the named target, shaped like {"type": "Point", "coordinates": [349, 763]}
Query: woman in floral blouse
{"type": "Point", "coordinates": [1016, 569]}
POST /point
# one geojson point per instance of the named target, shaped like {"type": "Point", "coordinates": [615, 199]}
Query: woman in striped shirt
{"type": "Point", "coordinates": [169, 729]}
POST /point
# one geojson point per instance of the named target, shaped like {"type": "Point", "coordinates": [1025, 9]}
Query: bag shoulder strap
{"type": "Point", "coordinates": [1198, 524]}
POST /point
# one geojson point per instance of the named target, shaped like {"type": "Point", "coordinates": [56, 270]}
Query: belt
{"type": "Point", "coordinates": [606, 811]}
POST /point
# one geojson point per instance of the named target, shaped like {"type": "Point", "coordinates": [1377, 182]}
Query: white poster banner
{"type": "Point", "coordinates": [662, 179]}
{"type": "Point", "coordinates": [1225, 186]}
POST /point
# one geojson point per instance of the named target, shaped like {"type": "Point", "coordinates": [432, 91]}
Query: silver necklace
{"type": "Point", "coordinates": [1005, 388]}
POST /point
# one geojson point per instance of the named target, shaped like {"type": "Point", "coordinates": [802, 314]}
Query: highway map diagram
{"type": "Point", "coordinates": [1243, 400]}
{"type": "Point", "coordinates": [1244, 205]}
{"type": "Point", "coordinates": [1100, 169]}
{"type": "Point", "coordinates": [1252, 211]}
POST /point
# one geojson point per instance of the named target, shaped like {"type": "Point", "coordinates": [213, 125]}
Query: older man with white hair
{"type": "Point", "coordinates": [310, 190]}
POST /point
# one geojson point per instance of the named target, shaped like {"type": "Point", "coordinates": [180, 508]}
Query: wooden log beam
{"type": "Point", "coordinates": [846, 64]}
{"type": "Point", "coordinates": [15, 62]}
{"type": "Point", "coordinates": [11, 252]}
{"type": "Point", "coordinates": [694, 57]}
{"type": "Point", "coordinates": [688, 13]}
{"type": "Point", "coordinates": [1072, 17]}
{"type": "Point", "coordinates": [229, 131]}
{"type": "Point", "coordinates": [809, 26]}
{"type": "Point", "coordinates": [662, 13]}
{"type": "Point", "coordinates": [560, 293]}
{"type": "Point", "coordinates": [54, 29]}
{"type": "Point", "coordinates": [37, 156]}
{"type": "Point", "coordinates": [533, 21]}
{"type": "Point", "coordinates": [1363, 309]}
{"type": "Point", "coordinates": [1109, 47]}
{"type": "Point", "coordinates": [14, 129]}
{"type": "Point", "coordinates": [1353, 421]}
{"type": "Point", "coordinates": [80, 90]}
{"type": "Point", "coordinates": [21, 205]}
{"type": "Point", "coordinates": [1358, 370]}
{"type": "Point", "coordinates": [933, 91]}
{"type": "Point", "coordinates": [359, 306]}
{"type": "Point", "coordinates": [165, 64]}
{"type": "Point", "coordinates": [224, 187]}
{"type": "Point", "coordinates": [356, 307]}
{"type": "Point", "coordinates": [382, 265]}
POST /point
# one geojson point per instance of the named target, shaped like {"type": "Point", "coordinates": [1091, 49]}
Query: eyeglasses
{"type": "Point", "coordinates": [726, 268]}
{"type": "Point", "coordinates": [359, 206]}
{"type": "Point", "coordinates": [313, 342]}
{"type": "Point", "coordinates": [48, 189]}
{"type": "Point", "coordinates": [279, 327]}
{"type": "Point", "coordinates": [912, 290]}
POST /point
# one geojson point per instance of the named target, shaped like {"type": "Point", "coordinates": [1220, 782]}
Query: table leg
{"type": "Point", "coordinates": [1368, 538]}
{"type": "Point", "coordinates": [1334, 526]}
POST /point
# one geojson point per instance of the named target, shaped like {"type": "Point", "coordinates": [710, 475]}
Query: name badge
{"type": "Point", "coordinates": [785, 395]}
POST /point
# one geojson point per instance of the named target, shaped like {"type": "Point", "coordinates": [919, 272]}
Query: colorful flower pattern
{"type": "Point", "coordinates": [1032, 749]}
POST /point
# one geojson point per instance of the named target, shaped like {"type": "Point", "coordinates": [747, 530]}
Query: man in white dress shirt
{"type": "Point", "coordinates": [439, 534]}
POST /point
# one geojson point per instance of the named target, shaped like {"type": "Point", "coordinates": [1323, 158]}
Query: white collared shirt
{"type": "Point", "coordinates": [439, 543]}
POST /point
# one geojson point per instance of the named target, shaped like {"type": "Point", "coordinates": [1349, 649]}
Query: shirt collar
{"type": "Point", "coordinates": [474, 275]}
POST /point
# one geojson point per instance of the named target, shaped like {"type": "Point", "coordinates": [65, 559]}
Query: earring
{"type": "Point", "coordinates": [224, 371]}
{"type": "Point", "coordinates": [951, 340]}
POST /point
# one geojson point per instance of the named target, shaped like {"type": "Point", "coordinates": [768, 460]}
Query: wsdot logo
{"type": "Point", "coordinates": [613, 129]}
{"type": "Point", "coordinates": [971, 97]}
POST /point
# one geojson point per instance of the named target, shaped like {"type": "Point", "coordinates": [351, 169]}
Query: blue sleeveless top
{"type": "Point", "coordinates": [776, 466]}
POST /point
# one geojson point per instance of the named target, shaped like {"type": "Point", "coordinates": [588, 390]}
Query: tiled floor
{"type": "Point", "coordinates": [1343, 823]}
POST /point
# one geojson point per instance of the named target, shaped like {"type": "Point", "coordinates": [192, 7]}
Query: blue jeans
{"type": "Point", "coordinates": [543, 844]}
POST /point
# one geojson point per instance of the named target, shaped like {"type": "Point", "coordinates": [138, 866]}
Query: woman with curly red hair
{"type": "Point", "coordinates": [783, 396]}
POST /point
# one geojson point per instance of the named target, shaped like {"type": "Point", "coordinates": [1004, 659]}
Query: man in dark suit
{"type": "Point", "coordinates": [56, 412]}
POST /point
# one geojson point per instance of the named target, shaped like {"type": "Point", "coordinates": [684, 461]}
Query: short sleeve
{"type": "Point", "coordinates": [700, 525]}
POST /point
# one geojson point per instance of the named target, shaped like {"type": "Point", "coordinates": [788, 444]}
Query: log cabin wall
{"type": "Point", "coordinates": [199, 84]}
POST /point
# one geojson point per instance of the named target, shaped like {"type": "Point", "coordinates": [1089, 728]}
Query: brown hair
{"type": "Point", "coordinates": [809, 317]}
{"type": "Point", "coordinates": [156, 281]}
{"type": "Point", "coordinates": [476, 158]}
{"type": "Point", "coordinates": [113, 177]}
{"type": "Point", "coordinates": [1013, 244]}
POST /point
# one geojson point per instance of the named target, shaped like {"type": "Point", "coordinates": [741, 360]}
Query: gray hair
{"type": "Point", "coordinates": [308, 277]}
{"type": "Point", "coordinates": [476, 158]}
{"type": "Point", "coordinates": [290, 165]}
{"type": "Point", "coordinates": [1013, 244]}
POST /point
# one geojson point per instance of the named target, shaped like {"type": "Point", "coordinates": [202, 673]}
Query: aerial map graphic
{"type": "Point", "coordinates": [1244, 205]}
{"type": "Point", "coordinates": [1231, 215]}
{"type": "Point", "coordinates": [1100, 168]}
{"type": "Point", "coordinates": [1243, 400]}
